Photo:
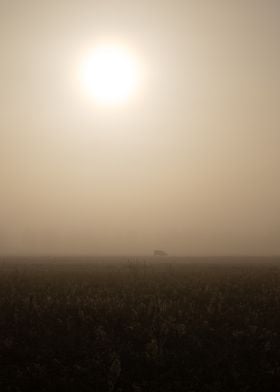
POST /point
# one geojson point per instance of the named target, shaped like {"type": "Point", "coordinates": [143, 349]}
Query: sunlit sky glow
{"type": "Point", "coordinates": [110, 74]}
{"type": "Point", "coordinates": [99, 157]}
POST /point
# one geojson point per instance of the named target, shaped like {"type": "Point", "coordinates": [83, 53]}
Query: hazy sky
{"type": "Point", "coordinates": [190, 165]}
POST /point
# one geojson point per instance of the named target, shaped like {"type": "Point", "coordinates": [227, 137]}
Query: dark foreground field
{"type": "Point", "coordinates": [135, 327]}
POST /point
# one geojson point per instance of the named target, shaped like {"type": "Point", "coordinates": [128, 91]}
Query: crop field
{"type": "Point", "coordinates": [139, 326]}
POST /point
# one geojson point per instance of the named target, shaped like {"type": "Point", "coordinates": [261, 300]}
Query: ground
{"type": "Point", "coordinates": [138, 325]}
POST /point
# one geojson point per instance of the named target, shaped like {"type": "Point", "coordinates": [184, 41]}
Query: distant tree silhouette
{"type": "Point", "coordinates": [159, 252]}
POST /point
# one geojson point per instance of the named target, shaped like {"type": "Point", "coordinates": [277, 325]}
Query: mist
{"type": "Point", "coordinates": [190, 165]}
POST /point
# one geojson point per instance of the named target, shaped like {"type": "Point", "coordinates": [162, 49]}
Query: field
{"type": "Point", "coordinates": [134, 326]}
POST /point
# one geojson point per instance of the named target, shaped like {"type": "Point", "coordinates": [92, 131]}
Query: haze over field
{"type": "Point", "coordinates": [189, 163]}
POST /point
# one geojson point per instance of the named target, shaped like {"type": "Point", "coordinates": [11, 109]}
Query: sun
{"type": "Point", "coordinates": [110, 74]}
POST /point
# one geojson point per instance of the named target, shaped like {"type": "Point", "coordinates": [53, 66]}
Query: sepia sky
{"type": "Point", "coordinates": [190, 164]}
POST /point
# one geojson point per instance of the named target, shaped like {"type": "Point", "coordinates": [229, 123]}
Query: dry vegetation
{"type": "Point", "coordinates": [139, 327]}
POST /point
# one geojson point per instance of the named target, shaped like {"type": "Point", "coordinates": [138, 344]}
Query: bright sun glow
{"type": "Point", "coordinates": [110, 74]}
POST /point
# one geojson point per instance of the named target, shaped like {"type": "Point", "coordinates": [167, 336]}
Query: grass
{"type": "Point", "coordinates": [145, 326]}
